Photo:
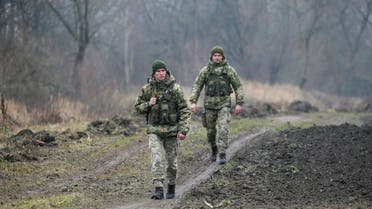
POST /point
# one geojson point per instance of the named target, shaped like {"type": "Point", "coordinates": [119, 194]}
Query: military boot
{"type": "Point", "coordinates": [158, 194]}
{"type": "Point", "coordinates": [171, 191]}
{"type": "Point", "coordinates": [213, 156]}
{"type": "Point", "coordinates": [222, 158]}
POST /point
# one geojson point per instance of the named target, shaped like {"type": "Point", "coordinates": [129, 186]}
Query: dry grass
{"type": "Point", "coordinates": [123, 101]}
{"type": "Point", "coordinates": [283, 94]}
{"type": "Point", "coordinates": [62, 110]}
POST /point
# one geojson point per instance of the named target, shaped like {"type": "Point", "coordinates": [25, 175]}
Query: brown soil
{"type": "Point", "coordinates": [327, 166]}
{"type": "Point", "coordinates": [317, 167]}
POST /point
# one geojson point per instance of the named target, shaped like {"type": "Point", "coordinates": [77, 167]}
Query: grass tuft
{"type": "Point", "coordinates": [53, 201]}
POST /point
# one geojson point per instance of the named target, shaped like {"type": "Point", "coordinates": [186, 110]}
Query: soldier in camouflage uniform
{"type": "Point", "coordinates": [219, 80]}
{"type": "Point", "coordinates": [168, 117]}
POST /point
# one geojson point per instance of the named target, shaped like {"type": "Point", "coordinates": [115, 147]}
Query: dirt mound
{"type": "Point", "coordinates": [116, 126]}
{"type": "Point", "coordinates": [319, 167]}
{"type": "Point", "coordinates": [302, 106]}
{"type": "Point", "coordinates": [26, 145]}
{"type": "Point", "coordinates": [26, 136]}
{"type": "Point", "coordinates": [260, 110]}
{"type": "Point", "coordinates": [356, 107]}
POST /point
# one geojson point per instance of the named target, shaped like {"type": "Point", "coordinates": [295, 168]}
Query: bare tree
{"type": "Point", "coordinates": [112, 43]}
{"type": "Point", "coordinates": [277, 61]}
{"type": "Point", "coordinates": [81, 34]}
{"type": "Point", "coordinates": [316, 13]}
{"type": "Point", "coordinates": [365, 12]}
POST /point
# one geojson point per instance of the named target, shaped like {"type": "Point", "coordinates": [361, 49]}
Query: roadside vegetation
{"type": "Point", "coordinates": [90, 163]}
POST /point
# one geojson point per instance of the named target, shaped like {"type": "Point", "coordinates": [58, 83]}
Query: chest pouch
{"type": "Point", "coordinates": [218, 85]}
{"type": "Point", "coordinates": [166, 111]}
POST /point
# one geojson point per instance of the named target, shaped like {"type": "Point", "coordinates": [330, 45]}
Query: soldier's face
{"type": "Point", "coordinates": [217, 58]}
{"type": "Point", "coordinates": [160, 74]}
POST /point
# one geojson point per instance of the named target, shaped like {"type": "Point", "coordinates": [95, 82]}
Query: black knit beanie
{"type": "Point", "coordinates": [217, 49]}
{"type": "Point", "coordinates": [158, 64]}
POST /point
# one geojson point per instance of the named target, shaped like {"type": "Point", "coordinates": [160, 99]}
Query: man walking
{"type": "Point", "coordinates": [168, 117]}
{"type": "Point", "coordinates": [219, 80]}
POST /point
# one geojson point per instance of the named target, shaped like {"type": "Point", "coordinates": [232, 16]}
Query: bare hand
{"type": "Point", "coordinates": [152, 101]}
{"type": "Point", "coordinates": [238, 109]}
{"type": "Point", "coordinates": [181, 136]}
{"type": "Point", "coordinates": [193, 108]}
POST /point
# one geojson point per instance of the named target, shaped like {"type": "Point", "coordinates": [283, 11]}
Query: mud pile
{"type": "Point", "coordinates": [302, 106]}
{"type": "Point", "coordinates": [26, 145]}
{"type": "Point", "coordinates": [115, 126]}
{"type": "Point", "coordinates": [259, 110]}
{"type": "Point", "coordinates": [317, 167]}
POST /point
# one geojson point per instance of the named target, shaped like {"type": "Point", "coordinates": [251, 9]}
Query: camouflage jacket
{"type": "Point", "coordinates": [217, 101]}
{"type": "Point", "coordinates": [170, 115]}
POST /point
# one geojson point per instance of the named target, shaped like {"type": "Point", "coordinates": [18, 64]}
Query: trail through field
{"type": "Point", "coordinates": [197, 178]}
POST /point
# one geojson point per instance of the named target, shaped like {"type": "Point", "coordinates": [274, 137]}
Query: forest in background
{"type": "Point", "coordinates": [90, 50]}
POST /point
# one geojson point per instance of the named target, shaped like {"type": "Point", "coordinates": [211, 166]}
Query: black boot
{"type": "Point", "coordinates": [158, 194]}
{"type": "Point", "coordinates": [222, 158]}
{"type": "Point", "coordinates": [213, 156]}
{"type": "Point", "coordinates": [171, 191]}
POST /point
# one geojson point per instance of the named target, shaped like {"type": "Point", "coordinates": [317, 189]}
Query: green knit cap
{"type": "Point", "coordinates": [158, 64]}
{"type": "Point", "coordinates": [217, 49]}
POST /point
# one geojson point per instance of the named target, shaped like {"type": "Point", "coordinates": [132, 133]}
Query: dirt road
{"type": "Point", "coordinates": [318, 160]}
{"type": "Point", "coordinates": [199, 177]}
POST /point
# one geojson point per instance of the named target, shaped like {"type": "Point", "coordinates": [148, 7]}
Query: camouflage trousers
{"type": "Point", "coordinates": [163, 157]}
{"type": "Point", "coordinates": [217, 125]}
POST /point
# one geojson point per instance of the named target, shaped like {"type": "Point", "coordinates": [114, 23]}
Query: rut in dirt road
{"type": "Point", "coordinates": [67, 184]}
{"type": "Point", "coordinates": [199, 177]}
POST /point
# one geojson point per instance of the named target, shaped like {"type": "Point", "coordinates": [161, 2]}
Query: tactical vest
{"type": "Point", "coordinates": [164, 112]}
{"type": "Point", "coordinates": [217, 83]}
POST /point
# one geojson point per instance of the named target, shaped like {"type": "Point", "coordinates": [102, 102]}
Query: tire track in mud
{"type": "Point", "coordinates": [199, 177]}
{"type": "Point", "coordinates": [64, 184]}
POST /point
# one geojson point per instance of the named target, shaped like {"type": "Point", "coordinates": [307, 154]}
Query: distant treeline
{"type": "Point", "coordinates": [85, 49]}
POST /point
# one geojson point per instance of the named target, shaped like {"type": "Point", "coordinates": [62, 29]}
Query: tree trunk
{"type": "Point", "coordinates": [3, 108]}
{"type": "Point", "coordinates": [75, 79]}
{"type": "Point", "coordinates": [127, 57]}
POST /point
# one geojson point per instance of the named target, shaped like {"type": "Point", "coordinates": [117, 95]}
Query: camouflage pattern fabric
{"type": "Point", "coordinates": [218, 136]}
{"type": "Point", "coordinates": [157, 89]}
{"type": "Point", "coordinates": [158, 147]}
{"type": "Point", "coordinates": [217, 102]}
{"type": "Point", "coordinates": [163, 136]}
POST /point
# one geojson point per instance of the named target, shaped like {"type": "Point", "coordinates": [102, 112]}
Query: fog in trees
{"type": "Point", "coordinates": [88, 49]}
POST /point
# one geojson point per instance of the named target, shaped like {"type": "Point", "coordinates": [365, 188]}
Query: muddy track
{"type": "Point", "coordinates": [241, 141]}
{"type": "Point", "coordinates": [91, 173]}
{"type": "Point", "coordinates": [199, 177]}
